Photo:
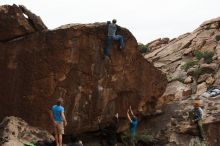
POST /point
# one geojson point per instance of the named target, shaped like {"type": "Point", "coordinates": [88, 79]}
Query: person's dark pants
{"type": "Point", "coordinates": [112, 139]}
{"type": "Point", "coordinates": [133, 137]}
{"type": "Point", "coordinates": [111, 143]}
{"type": "Point", "coordinates": [109, 43]}
{"type": "Point", "coordinates": [200, 129]}
{"type": "Point", "coordinates": [120, 39]}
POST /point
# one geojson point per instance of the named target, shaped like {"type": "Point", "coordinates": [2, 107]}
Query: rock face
{"type": "Point", "coordinates": [16, 132]}
{"type": "Point", "coordinates": [174, 58]}
{"type": "Point", "coordinates": [16, 24]}
{"type": "Point", "coordinates": [189, 76]}
{"type": "Point", "coordinates": [68, 62]}
{"type": "Point", "coordinates": [174, 129]}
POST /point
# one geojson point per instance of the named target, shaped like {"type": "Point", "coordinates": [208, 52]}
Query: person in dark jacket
{"type": "Point", "coordinates": [75, 141]}
{"type": "Point", "coordinates": [141, 143]}
{"type": "Point", "coordinates": [197, 117]}
{"type": "Point", "coordinates": [109, 132]}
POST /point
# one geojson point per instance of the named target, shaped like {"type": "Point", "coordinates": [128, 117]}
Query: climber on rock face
{"type": "Point", "coordinates": [197, 117]}
{"type": "Point", "coordinates": [133, 125]}
{"type": "Point", "coordinates": [59, 121]}
{"type": "Point", "coordinates": [112, 28]}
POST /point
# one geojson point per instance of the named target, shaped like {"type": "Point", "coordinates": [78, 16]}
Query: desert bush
{"type": "Point", "coordinates": [143, 48]}
{"type": "Point", "coordinates": [189, 64]}
{"type": "Point", "coordinates": [207, 55]}
{"type": "Point", "coordinates": [217, 37]}
{"type": "Point", "coordinates": [197, 73]}
{"type": "Point", "coordinates": [180, 79]}
{"type": "Point", "coordinates": [145, 136]}
{"type": "Point", "coordinates": [198, 54]}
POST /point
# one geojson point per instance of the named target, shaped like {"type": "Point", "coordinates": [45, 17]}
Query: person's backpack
{"type": "Point", "coordinates": [191, 116]}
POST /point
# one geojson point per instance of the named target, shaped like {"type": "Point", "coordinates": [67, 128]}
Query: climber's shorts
{"type": "Point", "coordinates": [59, 128]}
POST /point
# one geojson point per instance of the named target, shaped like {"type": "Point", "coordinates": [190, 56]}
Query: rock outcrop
{"type": "Point", "coordinates": [16, 132]}
{"type": "Point", "coordinates": [156, 44]}
{"type": "Point", "coordinates": [68, 62]}
{"type": "Point", "coordinates": [17, 21]}
{"type": "Point", "coordinates": [191, 63]}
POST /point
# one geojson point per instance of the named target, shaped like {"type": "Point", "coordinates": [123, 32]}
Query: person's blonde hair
{"type": "Point", "coordinates": [197, 102]}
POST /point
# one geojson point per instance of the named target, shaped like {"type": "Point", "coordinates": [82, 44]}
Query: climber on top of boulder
{"type": "Point", "coordinates": [112, 28]}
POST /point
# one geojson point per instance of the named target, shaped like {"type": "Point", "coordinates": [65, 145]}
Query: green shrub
{"type": "Point", "coordinates": [198, 54]}
{"type": "Point", "coordinates": [146, 137]}
{"type": "Point", "coordinates": [180, 79]}
{"type": "Point", "coordinates": [189, 64]}
{"type": "Point", "coordinates": [197, 73]}
{"type": "Point", "coordinates": [206, 55]}
{"type": "Point", "coordinates": [217, 37]}
{"type": "Point", "coordinates": [143, 48]}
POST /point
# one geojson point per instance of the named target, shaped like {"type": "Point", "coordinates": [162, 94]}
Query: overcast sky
{"type": "Point", "coordinates": [146, 19]}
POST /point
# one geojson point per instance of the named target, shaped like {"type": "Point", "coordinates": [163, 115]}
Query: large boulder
{"type": "Point", "coordinates": [16, 132]}
{"type": "Point", "coordinates": [68, 62]}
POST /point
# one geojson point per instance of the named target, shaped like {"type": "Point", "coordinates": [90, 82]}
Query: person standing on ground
{"type": "Point", "coordinates": [109, 132]}
{"type": "Point", "coordinates": [112, 28]}
{"type": "Point", "coordinates": [133, 125]}
{"type": "Point", "coordinates": [59, 120]}
{"type": "Point", "coordinates": [197, 117]}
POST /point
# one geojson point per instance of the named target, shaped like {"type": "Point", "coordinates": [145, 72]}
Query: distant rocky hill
{"type": "Point", "coordinates": [191, 64]}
